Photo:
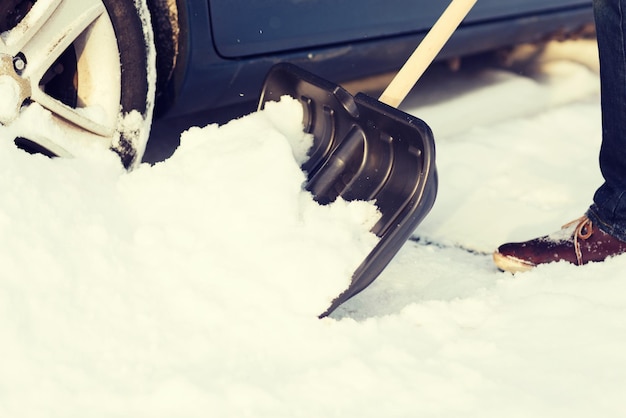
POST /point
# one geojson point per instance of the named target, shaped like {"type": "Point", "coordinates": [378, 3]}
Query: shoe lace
{"type": "Point", "coordinates": [584, 230]}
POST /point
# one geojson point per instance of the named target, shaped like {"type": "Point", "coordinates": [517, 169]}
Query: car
{"type": "Point", "coordinates": [103, 70]}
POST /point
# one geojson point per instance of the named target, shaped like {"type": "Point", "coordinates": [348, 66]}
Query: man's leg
{"type": "Point", "coordinates": [602, 232]}
{"type": "Point", "coordinates": [609, 208]}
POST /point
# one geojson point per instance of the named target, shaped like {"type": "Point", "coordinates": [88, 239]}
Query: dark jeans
{"type": "Point", "coordinates": [609, 203]}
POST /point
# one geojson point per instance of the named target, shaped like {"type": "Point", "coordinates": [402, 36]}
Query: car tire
{"type": "Point", "coordinates": [85, 68]}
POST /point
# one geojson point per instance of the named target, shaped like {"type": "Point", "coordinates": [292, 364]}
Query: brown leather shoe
{"type": "Point", "coordinates": [578, 242]}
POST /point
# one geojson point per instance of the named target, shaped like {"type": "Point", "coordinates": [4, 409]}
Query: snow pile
{"type": "Point", "coordinates": [109, 277]}
{"type": "Point", "coordinates": [191, 288]}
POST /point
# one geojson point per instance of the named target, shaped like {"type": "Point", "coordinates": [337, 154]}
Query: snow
{"type": "Point", "coordinates": [192, 287]}
{"type": "Point", "coordinates": [10, 92]}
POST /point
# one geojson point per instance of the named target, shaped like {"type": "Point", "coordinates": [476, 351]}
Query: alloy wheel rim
{"type": "Point", "coordinates": [61, 59]}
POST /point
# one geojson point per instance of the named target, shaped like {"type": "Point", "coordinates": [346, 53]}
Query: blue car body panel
{"type": "Point", "coordinates": [227, 46]}
{"type": "Point", "coordinates": [272, 26]}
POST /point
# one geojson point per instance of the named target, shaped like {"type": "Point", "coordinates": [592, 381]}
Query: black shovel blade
{"type": "Point", "coordinates": [365, 150]}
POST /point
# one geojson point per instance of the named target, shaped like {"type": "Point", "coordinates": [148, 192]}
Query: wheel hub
{"type": "Point", "coordinates": [14, 89]}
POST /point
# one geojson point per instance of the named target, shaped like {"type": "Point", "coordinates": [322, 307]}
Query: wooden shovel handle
{"type": "Point", "coordinates": [426, 52]}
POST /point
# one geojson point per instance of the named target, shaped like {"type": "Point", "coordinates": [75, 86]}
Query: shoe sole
{"type": "Point", "coordinates": [511, 264]}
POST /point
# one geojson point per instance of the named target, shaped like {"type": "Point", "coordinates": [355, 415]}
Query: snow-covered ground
{"type": "Point", "coordinates": [191, 288]}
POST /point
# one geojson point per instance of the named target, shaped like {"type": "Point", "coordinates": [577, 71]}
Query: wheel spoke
{"type": "Point", "coordinates": [52, 132]}
{"type": "Point", "coordinates": [42, 36]}
{"type": "Point", "coordinates": [48, 29]}
{"type": "Point", "coordinates": [15, 39]}
{"type": "Point", "coordinates": [81, 117]}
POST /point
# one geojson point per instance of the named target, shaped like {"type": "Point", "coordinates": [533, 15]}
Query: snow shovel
{"type": "Point", "coordinates": [367, 149]}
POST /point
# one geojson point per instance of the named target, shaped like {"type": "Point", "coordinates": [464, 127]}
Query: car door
{"type": "Point", "coordinates": [244, 28]}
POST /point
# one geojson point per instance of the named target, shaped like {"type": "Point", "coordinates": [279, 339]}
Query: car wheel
{"type": "Point", "coordinates": [75, 74]}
